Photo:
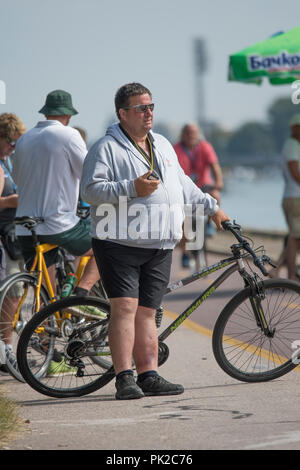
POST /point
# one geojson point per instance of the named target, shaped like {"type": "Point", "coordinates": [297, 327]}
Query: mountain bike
{"type": "Point", "coordinates": [253, 338]}
{"type": "Point", "coordinates": [24, 293]}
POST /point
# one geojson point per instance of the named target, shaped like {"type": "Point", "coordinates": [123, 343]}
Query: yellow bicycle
{"type": "Point", "coordinates": [23, 294]}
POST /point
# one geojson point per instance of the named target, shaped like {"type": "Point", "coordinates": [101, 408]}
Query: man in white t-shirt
{"type": "Point", "coordinates": [47, 169]}
{"type": "Point", "coordinates": [291, 198]}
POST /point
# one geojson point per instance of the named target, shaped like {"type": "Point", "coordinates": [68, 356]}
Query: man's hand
{"type": "Point", "coordinates": [145, 187]}
{"type": "Point", "coordinates": [218, 218]}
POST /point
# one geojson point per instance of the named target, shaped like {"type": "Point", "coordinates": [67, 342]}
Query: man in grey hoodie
{"type": "Point", "coordinates": [138, 193]}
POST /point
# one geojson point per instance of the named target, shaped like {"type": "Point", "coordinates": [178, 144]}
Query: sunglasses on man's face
{"type": "Point", "coordinates": [141, 108]}
{"type": "Point", "coordinates": [12, 143]}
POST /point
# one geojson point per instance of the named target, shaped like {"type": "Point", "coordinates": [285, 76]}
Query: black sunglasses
{"type": "Point", "coordinates": [141, 108]}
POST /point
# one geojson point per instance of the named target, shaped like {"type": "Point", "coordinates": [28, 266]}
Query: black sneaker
{"type": "Point", "coordinates": [157, 385]}
{"type": "Point", "coordinates": [127, 389]}
{"type": "Point", "coordinates": [4, 369]}
{"type": "Point", "coordinates": [11, 358]}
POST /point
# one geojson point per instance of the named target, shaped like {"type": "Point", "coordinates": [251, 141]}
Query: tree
{"type": "Point", "coordinates": [219, 139]}
{"type": "Point", "coordinates": [252, 138]}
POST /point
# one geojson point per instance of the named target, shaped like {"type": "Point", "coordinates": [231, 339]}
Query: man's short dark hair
{"type": "Point", "coordinates": [126, 91]}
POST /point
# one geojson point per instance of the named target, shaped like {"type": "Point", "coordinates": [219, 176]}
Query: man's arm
{"type": "Point", "coordinates": [220, 217]}
{"type": "Point", "coordinates": [8, 202]}
{"type": "Point", "coordinates": [98, 183]}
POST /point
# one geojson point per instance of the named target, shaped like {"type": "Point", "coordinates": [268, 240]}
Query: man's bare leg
{"type": "Point", "coordinates": [291, 252]}
{"type": "Point", "coordinates": [145, 350]}
{"type": "Point", "coordinates": [121, 332]}
{"type": "Point", "coordinates": [90, 274]}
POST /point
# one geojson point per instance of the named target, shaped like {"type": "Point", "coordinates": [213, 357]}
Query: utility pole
{"type": "Point", "coordinates": [200, 58]}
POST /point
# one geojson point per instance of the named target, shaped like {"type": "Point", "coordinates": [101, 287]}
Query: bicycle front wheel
{"type": "Point", "coordinates": [73, 332]}
{"type": "Point", "coordinates": [17, 306]}
{"type": "Point", "coordinates": [241, 347]}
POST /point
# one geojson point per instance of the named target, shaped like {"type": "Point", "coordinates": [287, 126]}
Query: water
{"type": "Point", "coordinates": [253, 198]}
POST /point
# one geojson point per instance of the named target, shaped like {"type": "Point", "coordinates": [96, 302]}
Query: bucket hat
{"type": "Point", "coordinates": [58, 103]}
{"type": "Point", "coordinates": [295, 121]}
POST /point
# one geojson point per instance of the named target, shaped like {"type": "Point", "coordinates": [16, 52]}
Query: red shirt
{"type": "Point", "coordinates": [198, 161]}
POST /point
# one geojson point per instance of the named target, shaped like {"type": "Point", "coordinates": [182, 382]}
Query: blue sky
{"type": "Point", "coordinates": [92, 47]}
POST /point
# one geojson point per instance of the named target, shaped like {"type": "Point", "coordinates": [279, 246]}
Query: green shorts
{"type": "Point", "coordinates": [76, 240]}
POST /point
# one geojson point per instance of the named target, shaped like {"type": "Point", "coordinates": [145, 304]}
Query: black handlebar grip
{"type": "Point", "coordinates": [226, 224]}
{"type": "Point", "coordinates": [260, 265]}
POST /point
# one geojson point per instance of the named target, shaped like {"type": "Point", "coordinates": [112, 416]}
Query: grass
{"type": "Point", "coordinates": [10, 422]}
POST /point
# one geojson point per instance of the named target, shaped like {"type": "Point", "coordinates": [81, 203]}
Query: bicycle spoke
{"type": "Point", "coordinates": [65, 352]}
{"type": "Point", "coordinates": [246, 351]}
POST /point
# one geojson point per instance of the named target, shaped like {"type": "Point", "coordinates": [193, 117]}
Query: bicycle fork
{"type": "Point", "coordinates": [257, 295]}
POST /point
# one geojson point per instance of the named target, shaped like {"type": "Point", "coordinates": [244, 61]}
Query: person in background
{"type": "Point", "coordinates": [200, 162]}
{"type": "Point", "coordinates": [11, 129]}
{"type": "Point", "coordinates": [47, 168]}
{"type": "Point", "coordinates": [82, 132]}
{"type": "Point", "coordinates": [291, 199]}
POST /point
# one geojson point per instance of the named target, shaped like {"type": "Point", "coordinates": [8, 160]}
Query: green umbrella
{"type": "Point", "coordinates": [277, 58]}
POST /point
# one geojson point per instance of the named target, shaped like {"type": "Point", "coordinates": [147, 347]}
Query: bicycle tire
{"type": "Point", "coordinates": [14, 291]}
{"type": "Point", "coordinates": [98, 291]}
{"type": "Point", "coordinates": [76, 347]}
{"type": "Point", "coordinates": [240, 347]}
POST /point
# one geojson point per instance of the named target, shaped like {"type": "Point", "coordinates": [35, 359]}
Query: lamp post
{"type": "Point", "coordinates": [200, 58]}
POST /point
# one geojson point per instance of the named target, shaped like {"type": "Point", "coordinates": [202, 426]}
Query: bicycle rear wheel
{"type": "Point", "coordinates": [74, 331]}
{"type": "Point", "coordinates": [17, 306]}
{"type": "Point", "coordinates": [240, 346]}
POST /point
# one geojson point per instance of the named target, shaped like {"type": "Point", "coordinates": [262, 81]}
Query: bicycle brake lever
{"type": "Point", "coordinates": [266, 259]}
{"type": "Point", "coordinates": [236, 226]}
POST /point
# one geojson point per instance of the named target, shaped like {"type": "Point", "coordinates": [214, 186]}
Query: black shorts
{"type": "Point", "coordinates": [127, 271]}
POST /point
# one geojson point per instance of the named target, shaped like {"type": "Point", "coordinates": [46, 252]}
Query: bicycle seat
{"type": "Point", "coordinates": [28, 222]}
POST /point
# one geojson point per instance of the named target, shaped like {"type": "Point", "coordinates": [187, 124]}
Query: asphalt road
{"type": "Point", "coordinates": [215, 412]}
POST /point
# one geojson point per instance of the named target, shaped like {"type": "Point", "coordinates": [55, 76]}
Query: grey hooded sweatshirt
{"type": "Point", "coordinates": [117, 213]}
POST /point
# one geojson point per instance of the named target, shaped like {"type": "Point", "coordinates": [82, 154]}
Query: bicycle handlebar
{"type": "Point", "coordinates": [233, 227]}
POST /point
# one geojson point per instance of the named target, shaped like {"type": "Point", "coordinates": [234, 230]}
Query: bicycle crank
{"type": "Point", "coordinates": [163, 353]}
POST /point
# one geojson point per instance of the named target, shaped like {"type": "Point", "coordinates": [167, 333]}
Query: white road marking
{"type": "Point", "coordinates": [285, 438]}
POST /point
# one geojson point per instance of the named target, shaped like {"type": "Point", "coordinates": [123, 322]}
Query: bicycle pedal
{"type": "Point", "coordinates": [158, 316]}
{"type": "Point", "coordinates": [2, 353]}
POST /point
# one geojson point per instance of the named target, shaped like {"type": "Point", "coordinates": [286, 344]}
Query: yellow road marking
{"type": "Point", "coordinates": [190, 324]}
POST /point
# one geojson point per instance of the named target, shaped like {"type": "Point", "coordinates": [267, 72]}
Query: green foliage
{"type": "Point", "coordinates": [263, 140]}
{"type": "Point", "coordinates": [10, 422]}
{"type": "Point", "coordinates": [252, 138]}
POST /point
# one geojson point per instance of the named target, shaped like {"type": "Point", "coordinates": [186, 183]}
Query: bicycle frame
{"type": "Point", "coordinates": [237, 265]}
{"type": "Point", "coordinates": [39, 266]}
{"type": "Point", "coordinates": [82, 264]}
